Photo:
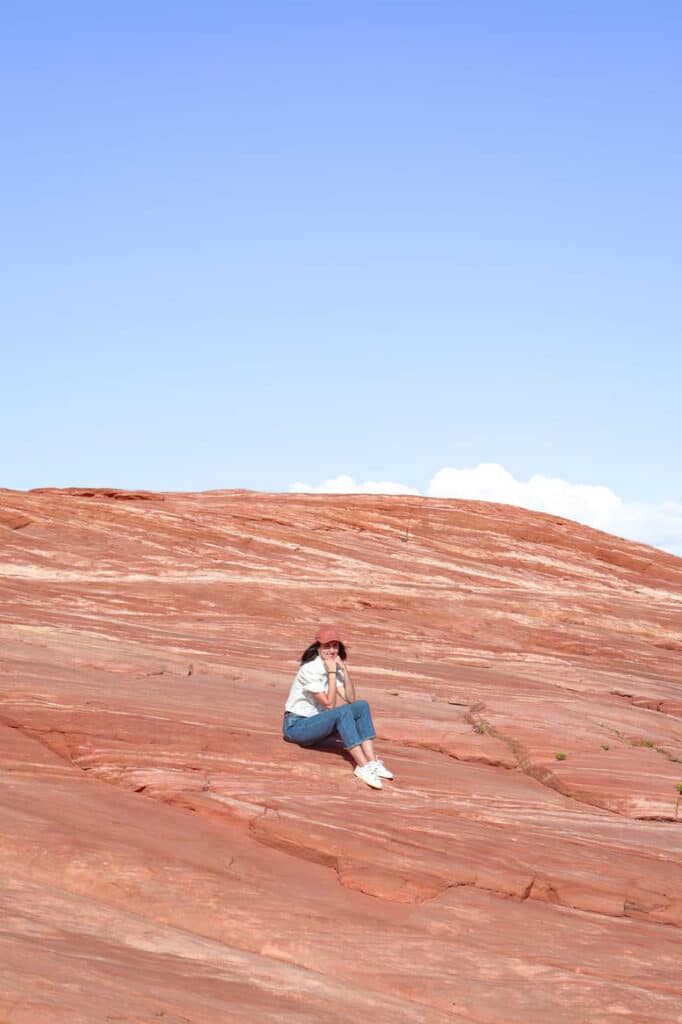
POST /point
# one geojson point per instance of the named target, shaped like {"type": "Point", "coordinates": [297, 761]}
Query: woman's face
{"type": "Point", "coordinates": [330, 649]}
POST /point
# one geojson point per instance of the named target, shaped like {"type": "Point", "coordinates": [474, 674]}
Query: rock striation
{"type": "Point", "coordinates": [167, 859]}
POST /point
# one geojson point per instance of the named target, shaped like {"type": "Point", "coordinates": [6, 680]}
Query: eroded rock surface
{"type": "Point", "coordinates": [167, 858]}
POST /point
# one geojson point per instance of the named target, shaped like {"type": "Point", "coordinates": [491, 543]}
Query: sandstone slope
{"type": "Point", "coordinates": [168, 859]}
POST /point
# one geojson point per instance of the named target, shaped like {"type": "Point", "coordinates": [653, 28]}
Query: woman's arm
{"type": "Point", "coordinates": [328, 699]}
{"type": "Point", "coordinates": [348, 688]}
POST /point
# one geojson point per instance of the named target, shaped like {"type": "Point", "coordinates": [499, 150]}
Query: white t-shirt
{"type": "Point", "coordinates": [311, 678]}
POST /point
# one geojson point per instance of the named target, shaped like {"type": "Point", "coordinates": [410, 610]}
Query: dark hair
{"type": "Point", "coordinates": [310, 653]}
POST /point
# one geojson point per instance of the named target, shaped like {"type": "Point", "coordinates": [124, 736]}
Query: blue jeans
{"type": "Point", "coordinates": [353, 722]}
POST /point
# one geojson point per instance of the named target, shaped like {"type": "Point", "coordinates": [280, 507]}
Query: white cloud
{"type": "Point", "coordinates": [658, 525]}
{"type": "Point", "coordinates": [347, 485]}
{"type": "Point", "coordinates": [594, 505]}
{"type": "Point", "coordinates": [591, 504]}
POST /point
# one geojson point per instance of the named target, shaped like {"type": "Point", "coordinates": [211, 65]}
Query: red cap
{"type": "Point", "coordinates": [326, 634]}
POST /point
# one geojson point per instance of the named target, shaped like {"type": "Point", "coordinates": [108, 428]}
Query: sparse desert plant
{"type": "Point", "coordinates": [678, 787]}
{"type": "Point", "coordinates": [605, 746]}
{"type": "Point", "coordinates": [560, 756]}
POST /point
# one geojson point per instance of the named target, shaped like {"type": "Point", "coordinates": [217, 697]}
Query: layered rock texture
{"type": "Point", "coordinates": [167, 859]}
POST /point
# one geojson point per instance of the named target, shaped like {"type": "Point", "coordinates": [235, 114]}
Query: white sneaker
{"type": "Point", "coordinates": [380, 769]}
{"type": "Point", "coordinates": [365, 772]}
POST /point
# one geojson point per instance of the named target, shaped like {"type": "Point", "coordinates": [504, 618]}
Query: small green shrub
{"type": "Point", "coordinates": [561, 756]}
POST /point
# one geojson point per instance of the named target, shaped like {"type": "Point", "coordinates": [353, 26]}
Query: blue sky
{"type": "Point", "coordinates": [273, 244]}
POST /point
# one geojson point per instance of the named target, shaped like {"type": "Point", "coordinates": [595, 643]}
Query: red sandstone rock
{"type": "Point", "coordinates": [167, 858]}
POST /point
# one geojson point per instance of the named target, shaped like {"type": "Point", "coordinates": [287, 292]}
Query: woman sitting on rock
{"type": "Point", "coordinates": [322, 701]}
